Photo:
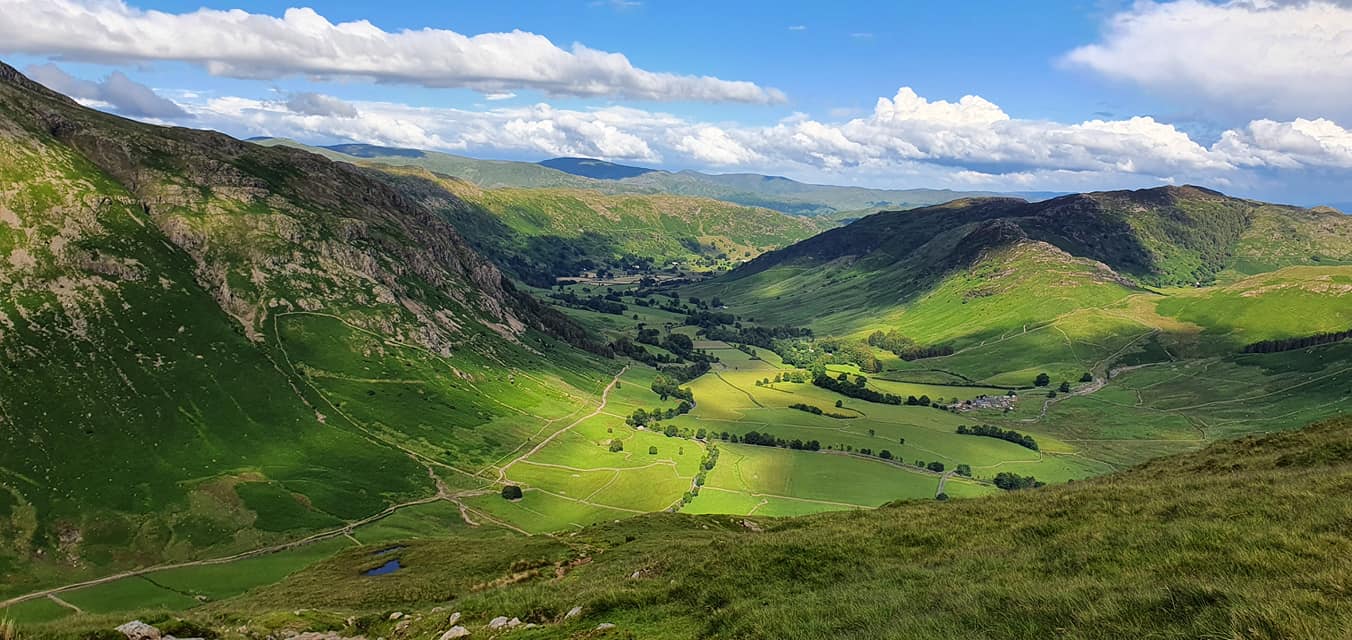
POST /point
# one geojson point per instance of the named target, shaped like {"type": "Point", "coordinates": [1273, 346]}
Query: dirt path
{"type": "Point", "coordinates": [54, 598]}
{"type": "Point", "coordinates": [605, 397]}
{"type": "Point", "coordinates": [943, 479]}
{"type": "Point", "coordinates": [316, 537]}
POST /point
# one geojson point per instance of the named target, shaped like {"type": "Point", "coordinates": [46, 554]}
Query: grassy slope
{"type": "Point", "coordinates": [1240, 540]}
{"type": "Point", "coordinates": [751, 190]}
{"type": "Point", "coordinates": [557, 230]}
{"type": "Point", "coordinates": [210, 346]}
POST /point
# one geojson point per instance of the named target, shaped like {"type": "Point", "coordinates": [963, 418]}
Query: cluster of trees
{"type": "Point", "coordinates": [842, 351]}
{"type": "Point", "coordinates": [769, 440]}
{"type": "Point", "coordinates": [763, 337]}
{"type": "Point", "coordinates": [511, 492]}
{"type": "Point", "coordinates": [857, 389]}
{"type": "Point", "coordinates": [605, 304]}
{"type": "Point", "coordinates": [797, 375]}
{"type": "Point", "coordinates": [665, 306]}
{"type": "Point", "coordinates": [1013, 481]}
{"type": "Point", "coordinates": [688, 372]}
{"type": "Point", "coordinates": [1292, 344]}
{"type": "Point", "coordinates": [710, 319]}
{"type": "Point", "coordinates": [992, 431]}
{"type": "Point", "coordinates": [643, 417]}
{"type": "Point", "coordinates": [666, 387]}
{"type": "Point", "coordinates": [906, 348]}
{"type": "Point", "coordinates": [622, 346]}
{"type": "Point", "coordinates": [815, 410]}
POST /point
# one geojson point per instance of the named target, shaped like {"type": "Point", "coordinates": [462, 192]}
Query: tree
{"type": "Point", "coordinates": [1087, 377]}
{"type": "Point", "coordinates": [885, 454]}
{"type": "Point", "coordinates": [936, 466]}
{"type": "Point", "coordinates": [964, 470]}
{"type": "Point", "coordinates": [840, 403]}
{"type": "Point", "coordinates": [1064, 388]}
{"type": "Point", "coordinates": [1051, 394]}
{"type": "Point", "coordinates": [511, 492]}
{"type": "Point", "coordinates": [901, 440]}
{"type": "Point", "coordinates": [1042, 380]}
{"type": "Point", "coordinates": [941, 497]}
{"type": "Point", "coordinates": [616, 446]}
{"type": "Point", "coordinates": [652, 451]}
{"type": "Point", "coordinates": [870, 433]}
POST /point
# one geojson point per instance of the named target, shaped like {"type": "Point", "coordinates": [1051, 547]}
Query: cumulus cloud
{"type": "Point", "coordinates": [318, 104]}
{"type": "Point", "coordinates": [713, 145]}
{"type": "Point", "coordinates": [906, 140]}
{"type": "Point", "coordinates": [1255, 58]}
{"type": "Point", "coordinates": [124, 95]}
{"type": "Point", "coordinates": [240, 44]}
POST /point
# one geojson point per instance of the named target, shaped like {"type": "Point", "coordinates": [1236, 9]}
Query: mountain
{"type": "Point", "coordinates": [974, 271]}
{"type": "Point", "coordinates": [539, 235]}
{"type": "Point", "coordinates": [1241, 540]}
{"type": "Point", "coordinates": [592, 168]}
{"type": "Point", "coordinates": [753, 190]}
{"type": "Point", "coordinates": [211, 345]}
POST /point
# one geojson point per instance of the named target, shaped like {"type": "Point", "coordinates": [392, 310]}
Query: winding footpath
{"type": "Point", "coordinates": [442, 493]}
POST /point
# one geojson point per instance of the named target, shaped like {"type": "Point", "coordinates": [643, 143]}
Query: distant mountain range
{"type": "Point", "coordinates": [748, 189]}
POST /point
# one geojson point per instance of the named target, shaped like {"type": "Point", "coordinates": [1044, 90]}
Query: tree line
{"type": "Point", "coordinates": [1293, 344]}
{"type": "Point", "coordinates": [992, 431]}
{"type": "Point", "coordinates": [857, 389]}
{"type": "Point", "coordinates": [906, 348]}
{"type": "Point", "coordinates": [1013, 481]}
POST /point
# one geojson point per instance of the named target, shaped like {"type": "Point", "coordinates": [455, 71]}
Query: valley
{"type": "Point", "coordinates": [259, 386]}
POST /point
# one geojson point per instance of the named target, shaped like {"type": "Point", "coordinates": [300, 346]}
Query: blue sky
{"type": "Point", "coordinates": [1248, 97]}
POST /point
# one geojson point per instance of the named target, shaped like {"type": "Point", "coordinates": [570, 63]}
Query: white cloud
{"type": "Point", "coordinates": [117, 91]}
{"type": "Point", "coordinates": [906, 140]}
{"type": "Point", "coordinates": [1256, 58]}
{"type": "Point", "coordinates": [501, 95]}
{"type": "Point", "coordinates": [240, 44]}
{"type": "Point", "coordinates": [1297, 144]}
{"type": "Point", "coordinates": [318, 104]}
{"type": "Point", "coordinates": [797, 27]}
{"type": "Point", "coordinates": [713, 145]}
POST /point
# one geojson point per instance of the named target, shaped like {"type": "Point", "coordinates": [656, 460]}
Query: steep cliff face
{"type": "Point", "coordinates": [272, 228]}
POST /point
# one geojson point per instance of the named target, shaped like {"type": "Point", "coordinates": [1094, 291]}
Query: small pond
{"type": "Point", "coordinates": [388, 567]}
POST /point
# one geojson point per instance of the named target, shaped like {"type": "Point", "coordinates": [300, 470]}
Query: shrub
{"type": "Point", "coordinates": [1042, 380]}
{"type": "Point", "coordinates": [652, 451]}
{"type": "Point", "coordinates": [616, 446]}
{"type": "Point", "coordinates": [511, 492]}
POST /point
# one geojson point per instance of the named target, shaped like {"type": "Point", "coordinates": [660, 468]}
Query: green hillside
{"type": "Point", "coordinates": [543, 234]}
{"type": "Point", "coordinates": [910, 269]}
{"type": "Point", "coordinates": [209, 346]}
{"type": "Point", "coordinates": [746, 189]}
{"type": "Point", "coordinates": [1240, 540]}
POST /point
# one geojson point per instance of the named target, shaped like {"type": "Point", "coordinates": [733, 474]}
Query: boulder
{"type": "Point", "coordinates": [137, 630]}
{"type": "Point", "coordinates": [498, 622]}
{"type": "Point", "coordinates": [604, 625]}
{"type": "Point", "coordinates": [573, 613]}
{"type": "Point", "coordinates": [455, 617]}
{"type": "Point", "coordinates": [455, 632]}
